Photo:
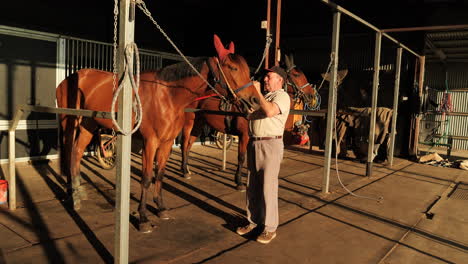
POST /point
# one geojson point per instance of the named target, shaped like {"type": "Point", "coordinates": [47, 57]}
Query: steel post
{"type": "Point", "coordinates": [126, 36]}
{"type": "Point", "coordinates": [331, 102]}
{"type": "Point", "coordinates": [373, 114]}
{"type": "Point", "coordinates": [395, 106]}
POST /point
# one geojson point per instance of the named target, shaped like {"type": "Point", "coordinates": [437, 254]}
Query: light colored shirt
{"type": "Point", "coordinates": [272, 126]}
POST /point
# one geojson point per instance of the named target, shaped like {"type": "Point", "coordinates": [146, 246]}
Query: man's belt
{"type": "Point", "coordinates": [265, 138]}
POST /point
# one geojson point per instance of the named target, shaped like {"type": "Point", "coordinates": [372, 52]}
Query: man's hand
{"type": "Point", "coordinates": [258, 87]}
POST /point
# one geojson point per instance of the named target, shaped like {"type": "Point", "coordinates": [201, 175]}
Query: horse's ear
{"type": "Point", "coordinates": [231, 47]}
{"type": "Point", "coordinates": [287, 61]}
{"type": "Point", "coordinates": [222, 52]}
{"type": "Point", "coordinates": [291, 58]}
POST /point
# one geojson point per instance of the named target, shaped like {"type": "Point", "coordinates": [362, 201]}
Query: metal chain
{"type": "Point", "coordinates": [265, 51]}
{"type": "Point", "coordinates": [114, 59]}
{"type": "Point", "coordinates": [142, 6]}
{"type": "Point", "coordinates": [131, 48]}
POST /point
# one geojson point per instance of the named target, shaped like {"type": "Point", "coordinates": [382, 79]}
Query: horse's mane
{"type": "Point", "coordinates": [180, 70]}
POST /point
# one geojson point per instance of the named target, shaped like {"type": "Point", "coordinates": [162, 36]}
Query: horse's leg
{"type": "Point", "coordinates": [161, 158]}
{"type": "Point", "coordinates": [186, 145]}
{"type": "Point", "coordinates": [83, 140]}
{"type": "Point", "coordinates": [149, 150]}
{"type": "Point", "coordinates": [241, 152]}
{"type": "Point", "coordinates": [191, 132]}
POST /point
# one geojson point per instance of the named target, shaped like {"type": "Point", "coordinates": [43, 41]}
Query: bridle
{"type": "Point", "coordinates": [298, 90]}
{"type": "Point", "coordinates": [219, 77]}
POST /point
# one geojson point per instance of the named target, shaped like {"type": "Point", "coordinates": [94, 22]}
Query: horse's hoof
{"type": "Point", "coordinates": [83, 193]}
{"type": "Point", "coordinates": [145, 227]}
{"type": "Point", "coordinates": [164, 215]}
{"type": "Point", "coordinates": [187, 176]}
{"type": "Point", "coordinates": [76, 206]}
{"type": "Point", "coordinates": [241, 187]}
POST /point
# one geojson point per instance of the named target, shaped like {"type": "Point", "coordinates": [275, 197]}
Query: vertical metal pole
{"type": "Point", "coordinates": [60, 74]}
{"type": "Point", "coordinates": [331, 114]}
{"type": "Point", "coordinates": [395, 106]}
{"type": "Point", "coordinates": [12, 159]}
{"type": "Point", "coordinates": [12, 170]}
{"type": "Point", "coordinates": [268, 34]}
{"type": "Point", "coordinates": [126, 36]}
{"type": "Point", "coordinates": [278, 31]}
{"type": "Point", "coordinates": [224, 151]}
{"type": "Point", "coordinates": [422, 65]}
{"type": "Point", "coordinates": [373, 113]}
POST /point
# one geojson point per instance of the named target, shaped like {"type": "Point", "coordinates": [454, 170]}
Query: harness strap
{"type": "Point", "coordinates": [243, 87]}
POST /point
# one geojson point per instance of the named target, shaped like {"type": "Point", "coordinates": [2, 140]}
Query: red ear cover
{"type": "Point", "coordinates": [222, 52]}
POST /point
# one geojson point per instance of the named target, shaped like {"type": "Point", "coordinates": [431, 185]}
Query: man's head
{"type": "Point", "coordinates": [275, 78]}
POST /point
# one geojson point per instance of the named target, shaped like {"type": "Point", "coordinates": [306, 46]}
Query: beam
{"type": "Point", "coordinates": [268, 34]}
{"type": "Point", "coordinates": [331, 118]}
{"type": "Point", "coordinates": [369, 25]}
{"type": "Point", "coordinates": [395, 106]}
{"type": "Point", "coordinates": [278, 33]}
{"type": "Point", "coordinates": [427, 28]}
{"type": "Point", "coordinates": [122, 203]}
{"type": "Point", "coordinates": [375, 92]}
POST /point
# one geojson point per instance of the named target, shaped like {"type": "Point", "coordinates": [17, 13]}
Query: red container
{"type": "Point", "coordinates": [3, 191]}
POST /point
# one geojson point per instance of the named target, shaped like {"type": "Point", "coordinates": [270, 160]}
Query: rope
{"type": "Point", "coordinates": [328, 70]}
{"type": "Point", "coordinates": [268, 42]}
{"type": "Point", "coordinates": [128, 73]}
{"type": "Point", "coordinates": [379, 200]}
{"type": "Point", "coordinates": [132, 47]}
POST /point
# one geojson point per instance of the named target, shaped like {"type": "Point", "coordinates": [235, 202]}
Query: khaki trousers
{"type": "Point", "coordinates": [263, 161]}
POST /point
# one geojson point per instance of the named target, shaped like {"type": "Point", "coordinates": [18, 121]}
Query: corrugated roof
{"type": "Point", "coordinates": [448, 46]}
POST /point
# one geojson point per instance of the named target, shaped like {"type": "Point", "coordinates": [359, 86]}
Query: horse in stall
{"type": "Point", "coordinates": [299, 89]}
{"type": "Point", "coordinates": [164, 95]}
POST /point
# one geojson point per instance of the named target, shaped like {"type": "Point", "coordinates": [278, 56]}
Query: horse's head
{"type": "Point", "coordinates": [233, 77]}
{"type": "Point", "coordinates": [298, 87]}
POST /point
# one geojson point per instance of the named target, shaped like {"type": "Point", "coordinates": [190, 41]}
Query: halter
{"type": "Point", "coordinates": [223, 82]}
{"type": "Point", "coordinates": [298, 93]}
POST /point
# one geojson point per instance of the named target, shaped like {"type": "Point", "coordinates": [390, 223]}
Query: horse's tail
{"type": "Point", "coordinates": [68, 96]}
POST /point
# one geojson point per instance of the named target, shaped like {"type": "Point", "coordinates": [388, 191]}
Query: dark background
{"type": "Point", "coordinates": [191, 23]}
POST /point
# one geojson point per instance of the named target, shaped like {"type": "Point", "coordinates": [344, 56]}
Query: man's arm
{"type": "Point", "coordinates": [269, 109]}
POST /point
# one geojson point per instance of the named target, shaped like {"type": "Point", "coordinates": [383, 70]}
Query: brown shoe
{"type": "Point", "coordinates": [266, 237]}
{"type": "Point", "coordinates": [245, 229]}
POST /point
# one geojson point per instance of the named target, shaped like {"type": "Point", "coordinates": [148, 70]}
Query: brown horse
{"type": "Point", "coordinates": [300, 92]}
{"type": "Point", "coordinates": [164, 95]}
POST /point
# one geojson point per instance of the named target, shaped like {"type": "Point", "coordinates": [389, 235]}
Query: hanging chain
{"type": "Point", "coordinates": [142, 6]}
{"type": "Point", "coordinates": [114, 59]}
{"type": "Point", "coordinates": [265, 51]}
{"type": "Point", "coordinates": [128, 70]}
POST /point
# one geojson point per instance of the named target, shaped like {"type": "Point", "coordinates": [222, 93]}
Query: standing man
{"type": "Point", "coordinates": [264, 155]}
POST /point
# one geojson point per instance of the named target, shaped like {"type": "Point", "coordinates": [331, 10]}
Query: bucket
{"type": "Point", "coordinates": [3, 191]}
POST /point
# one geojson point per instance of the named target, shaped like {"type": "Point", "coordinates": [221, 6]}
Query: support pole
{"type": "Point", "coordinates": [126, 36]}
{"type": "Point", "coordinates": [278, 33]}
{"type": "Point", "coordinates": [268, 34]}
{"type": "Point", "coordinates": [422, 66]}
{"type": "Point", "coordinates": [331, 115]}
{"type": "Point", "coordinates": [373, 114]}
{"type": "Point", "coordinates": [224, 150]}
{"type": "Point", "coordinates": [12, 158]}
{"type": "Point", "coordinates": [395, 106]}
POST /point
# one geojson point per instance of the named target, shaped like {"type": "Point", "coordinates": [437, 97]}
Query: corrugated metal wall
{"type": "Point", "coordinates": [456, 122]}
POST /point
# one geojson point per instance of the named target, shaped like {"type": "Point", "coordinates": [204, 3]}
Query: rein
{"type": "Point", "coordinates": [236, 91]}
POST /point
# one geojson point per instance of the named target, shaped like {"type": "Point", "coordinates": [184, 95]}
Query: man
{"type": "Point", "coordinates": [264, 155]}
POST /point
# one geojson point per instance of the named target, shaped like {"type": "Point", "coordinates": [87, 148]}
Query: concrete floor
{"type": "Point", "coordinates": [421, 219]}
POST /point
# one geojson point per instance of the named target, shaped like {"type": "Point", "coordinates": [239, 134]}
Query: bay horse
{"type": "Point", "coordinates": [164, 95]}
{"type": "Point", "coordinates": [299, 89]}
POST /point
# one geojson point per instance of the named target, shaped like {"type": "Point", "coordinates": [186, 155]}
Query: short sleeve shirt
{"type": "Point", "coordinates": [272, 126]}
